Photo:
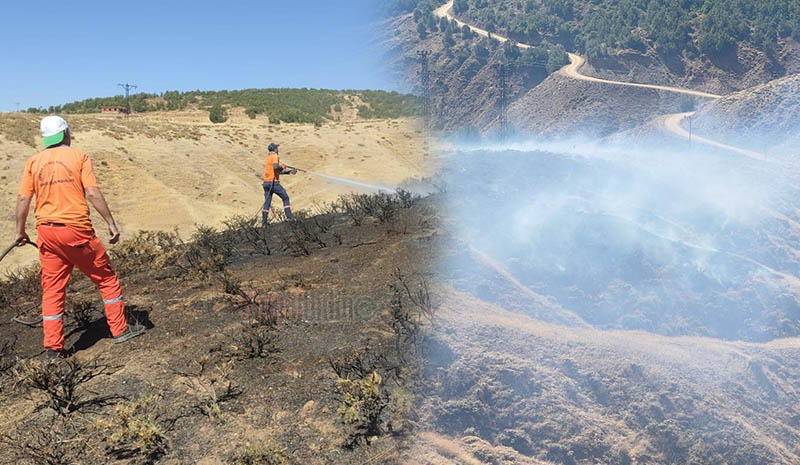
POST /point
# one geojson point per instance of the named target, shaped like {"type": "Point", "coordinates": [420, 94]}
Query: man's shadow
{"type": "Point", "coordinates": [98, 329]}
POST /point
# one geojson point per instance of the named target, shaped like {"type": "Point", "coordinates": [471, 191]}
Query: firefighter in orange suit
{"type": "Point", "coordinates": [273, 168]}
{"type": "Point", "coordinates": [61, 179]}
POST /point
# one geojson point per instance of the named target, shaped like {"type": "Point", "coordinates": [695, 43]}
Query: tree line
{"type": "Point", "coordinates": [281, 105]}
{"type": "Point", "coordinates": [598, 27]}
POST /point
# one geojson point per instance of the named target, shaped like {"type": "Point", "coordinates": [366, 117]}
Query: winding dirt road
{"type": "Point", "coordinates": [672, 123]}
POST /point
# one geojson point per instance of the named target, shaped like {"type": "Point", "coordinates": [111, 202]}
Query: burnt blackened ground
{"type": "Point", "coordinates": [214, 400]}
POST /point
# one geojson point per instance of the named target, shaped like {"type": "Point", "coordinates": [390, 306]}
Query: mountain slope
{"type": "Point", "coordinates": [766, 116]}
{"type": "Point", "coordinates": [714, 45]}
{"type": "Point", "coordinates": [569, 396]}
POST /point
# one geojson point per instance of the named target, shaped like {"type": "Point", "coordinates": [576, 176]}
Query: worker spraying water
{"type": "Point", "coordinates": [273, 168]}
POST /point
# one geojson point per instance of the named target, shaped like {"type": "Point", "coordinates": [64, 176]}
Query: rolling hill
{"type": "Point", "coordinates": [172, 169]}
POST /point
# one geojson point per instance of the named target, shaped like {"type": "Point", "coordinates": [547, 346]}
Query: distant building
{"type": "Point", "coordinates": [119, 110]}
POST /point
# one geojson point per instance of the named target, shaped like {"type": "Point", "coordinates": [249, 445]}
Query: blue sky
{"type": "Point", "coordinates": [56, 52]}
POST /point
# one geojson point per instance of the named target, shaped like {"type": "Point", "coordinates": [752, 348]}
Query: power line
{"type": "Point", "coordinates": [128, 88]}
{"type": "Point", "coordinates": [503, 69]}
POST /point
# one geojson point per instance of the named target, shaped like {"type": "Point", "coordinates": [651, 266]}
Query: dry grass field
{"type": "Point", "coordinates": [173, 170]}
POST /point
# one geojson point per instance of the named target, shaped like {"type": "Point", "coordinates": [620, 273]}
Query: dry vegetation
{"type": "Point", "coordinates": [208, 382]}
{"type": "Point", "coordinates": [167, 170]}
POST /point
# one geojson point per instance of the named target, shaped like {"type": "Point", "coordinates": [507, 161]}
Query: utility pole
{"type": "Point", "coordinates": [17, 104]}
{"type": "Point", "coordinates": [424, 74]}
{"type": "Point", "coordinates": [128, 88]}
{"type": "Point", "coordinates": [503, 102]}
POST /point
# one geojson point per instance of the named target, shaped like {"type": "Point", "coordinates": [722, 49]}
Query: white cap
{"type": "Point", "coordinates": [52, 130]}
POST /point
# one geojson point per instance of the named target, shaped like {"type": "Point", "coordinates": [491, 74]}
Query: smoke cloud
{"type": "Point", "coordinates": [669, 239]}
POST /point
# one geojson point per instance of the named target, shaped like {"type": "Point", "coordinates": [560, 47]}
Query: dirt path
{"type": "Point", "coordinates": [672, 123]}
{"type": "Point", "coordinates": [576, 62]}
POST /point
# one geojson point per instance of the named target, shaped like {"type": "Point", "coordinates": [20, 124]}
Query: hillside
{"type": "Point", "coordinates": [507, 389]}
{"type": "Point", "coordinates": [766, 117]}
{"type": "Point", "coordinates": [717, 45]}
{"type": "Point", "coordinates": [167, 170]}
{"type": "Point", "coordinates": [596, 304]}
{"type": "Point", "coordinates": [208, 384]}
{"type": "Point", "coordinates": [466, 97]}
{"type": "Point", "coordinates": [279, 105]}
{"type": "Point", "coordinates": [694, 45]}
{"type": "Point", "coordinates": [293, 345]}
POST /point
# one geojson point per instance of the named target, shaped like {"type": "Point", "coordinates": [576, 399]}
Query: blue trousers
{"type": "Point", "coordinates": [271, 188]}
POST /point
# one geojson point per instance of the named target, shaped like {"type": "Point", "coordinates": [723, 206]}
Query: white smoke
{"type": "Point", "coordinates": [618, 228]}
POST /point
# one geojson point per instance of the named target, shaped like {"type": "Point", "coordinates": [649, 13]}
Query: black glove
{"type": "Point", "coordinates": [292, 171]}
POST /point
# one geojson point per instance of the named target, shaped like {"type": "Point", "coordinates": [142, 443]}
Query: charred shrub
{"type": "Point", "coordinates": [406, 199]}
{"type": "Point", "coordinates": [6, 356]}
{"type": "Point", "coordinates": [7, 360]}
{"type": "Point", "coordinates": [302, 235]}
{"type": "Point", "coordinates": [247, 230]}
{"type": "Point", "coordinates": [54, 441]}
{"type": "Point", "coordinates": [208, 251]}
{"type": "Point", "coordinates": [134, 430]}
{"type": "Point", "coordinates": [62, 381]}
{"type": "Point", "coordinates": [352, 209]}
{"type": "Point", "coordinates": [411, 308]}
{"type": "Point", "coordinates": [231, 284]}
{"type": "Point", "coordinates": [382, 206]}
{"type": "Point", "coordinates": [417, 290]}
{"type": "Point", "coordinates": [82, 312]}
{"type": "Point", "coordinates": [20, 290]}
{"type": "Point", "coordinates": [253, 342]}
{"type": "Point", "coordinates": [362, 404]}
{"type": "Point", "coordinates": [362, 394]}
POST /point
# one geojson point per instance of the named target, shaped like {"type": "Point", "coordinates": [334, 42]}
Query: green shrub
{"type": "Point", "coordinates": [260, 454]}
{"type": "Point", "coordinates": [217, 114]}
{"type": "Point", "coordinates": [362, 403]}
{"type": "Point", "coordinates": [133, 430]}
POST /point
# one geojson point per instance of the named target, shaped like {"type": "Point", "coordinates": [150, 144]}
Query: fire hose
{"type": "Point", "coordinates": [18, 318]}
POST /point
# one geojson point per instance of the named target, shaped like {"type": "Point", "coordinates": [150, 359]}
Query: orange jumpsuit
{"type": "Point", "coordinates": [57, 177]}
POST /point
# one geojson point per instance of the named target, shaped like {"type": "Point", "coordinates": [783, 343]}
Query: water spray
{"type": "Point", "coordinates": [348, 181]}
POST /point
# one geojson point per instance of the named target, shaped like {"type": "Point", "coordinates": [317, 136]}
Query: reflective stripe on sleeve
{"type": "Point", "coordinates": [113, 301]}
{"type": "Point", "coordinates": [52, 318]}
